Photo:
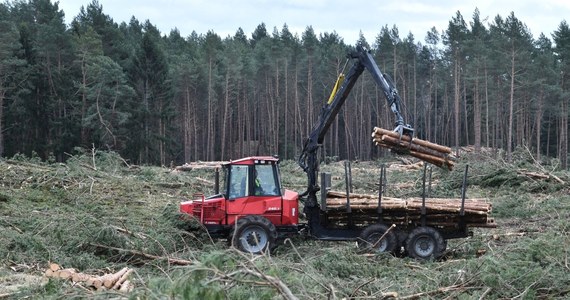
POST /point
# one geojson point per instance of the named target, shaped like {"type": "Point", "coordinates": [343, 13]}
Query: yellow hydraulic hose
{"type": "Point", "coordinates": [339, 81]}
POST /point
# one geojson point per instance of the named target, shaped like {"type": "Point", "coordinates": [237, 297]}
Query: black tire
{"type": "Point", "coordinates": [253, 234]}
{"type": "Point", "coordinates": [369, 239]}
{"type": "Point", "coordinates": [425, 243]}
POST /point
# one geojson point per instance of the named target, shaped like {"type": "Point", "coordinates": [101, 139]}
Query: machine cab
{"type": "Point", "coordinates": [253, 187]}
{"type": "Point", "coordinates": [252, 176]}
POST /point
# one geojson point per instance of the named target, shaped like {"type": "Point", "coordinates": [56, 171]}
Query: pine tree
{"type": "Point", "coordinates": [454, 39]}
{"type": "Point", "coordinates": [11, 66]}
{"type": "Point", "coordinates": [562, 39]}
{"type": "Point", "coordinates": [151, 117]}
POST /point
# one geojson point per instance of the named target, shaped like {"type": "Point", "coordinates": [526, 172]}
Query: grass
{"type": "Point", "coordinates": [64, 212]}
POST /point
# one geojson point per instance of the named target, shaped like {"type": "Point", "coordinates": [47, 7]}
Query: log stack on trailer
{"type": "Point", "coordinates": [439, 212]}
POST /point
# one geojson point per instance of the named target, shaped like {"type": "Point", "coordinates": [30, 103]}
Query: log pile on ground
{"type": "Point", "coordinates": [433, 153]}
{"type": "Point", "coordinates": [113, 281]}
{"type": "Point", "coordinates": [440, 212]}
{"type": "Point", "coordinates": [200, 165]}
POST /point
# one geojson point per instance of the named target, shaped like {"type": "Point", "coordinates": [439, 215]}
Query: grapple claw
{"type": "Point", "coordinates": [402, 129]}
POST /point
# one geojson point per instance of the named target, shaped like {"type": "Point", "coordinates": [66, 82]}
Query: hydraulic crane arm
{"type": "Point", "coordinates": [308, 158]}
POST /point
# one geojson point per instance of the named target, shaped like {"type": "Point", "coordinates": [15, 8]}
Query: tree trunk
{"type": "Point", "coordinates": [2, 93]}
{"type": "Point", "coordinates": [563, 154]}
{"type": "Point", "coordinates": [161, 132]}
{"type": "Point", "coordinates": [226, 116]}
{"type": "Point", "coordinates": [197, 144]}
{"type": "Point", "coordinates": [415, 95]}
{"type": "Point", "coordinates": [511, 108]}
{"type": "Point", "coordinates": [477, 113]}
{"type": "Point", "coordinates": [83, 137]}
{"type": "Point", "coordinates": [465, 114]}
{"type": "Point", "coordinates": [435, 108]}
{"type": "Point", "coordinates": [456, 89]}
{"type": "Point", "coordinates": [275, 112]}
{"type": "Point", "coordinates": [538, 121]}
{"type": "Point", "coordinates": [146, 125]}
{"type": "Point", "coordinates": [487, 129]}
{"type": "Point", "coordinates": [187, 125]}
{"type": "Point", "coordinates": [210, 127]}
{"type": "Point", "coordinates": [309, 115]}
{"type": "Point", "coordinates": [286, 112]}
{"type": "Point", "coordinates": [299, 133]}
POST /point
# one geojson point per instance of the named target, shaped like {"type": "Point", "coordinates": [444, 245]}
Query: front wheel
{"type": "Point", "coordinates": [378, 238]}
{"type": "Point", "coordinates": [254, 234]}
{"type": "Point", "coordinates": [425, 243]}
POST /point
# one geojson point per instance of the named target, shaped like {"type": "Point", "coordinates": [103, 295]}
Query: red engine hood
{"type": "Point", "coordinates": [192, 206]}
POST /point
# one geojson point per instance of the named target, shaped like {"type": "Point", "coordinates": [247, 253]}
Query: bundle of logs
{"type": "Point", "coordinates": [440, 212]}
{"type": "Point", "coordinates": [113, 281]}
{"type": "Point", "coordinates": [424, 150]}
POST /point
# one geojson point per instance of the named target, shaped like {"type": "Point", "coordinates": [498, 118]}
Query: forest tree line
{"type": "Point", "coordinates": [162, 98]}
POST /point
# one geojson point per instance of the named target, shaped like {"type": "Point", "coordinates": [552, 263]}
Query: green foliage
{"type": "Point", "coordinates": [157, 99]}
{"type": "Point", "coordinates": [502, 177]}
{"type": "Point", "coordinates": [193, 287]}
{"type": "Point", "coordinates": [78, 214]}
{"type": "Point", "coordinates": [4, 197]}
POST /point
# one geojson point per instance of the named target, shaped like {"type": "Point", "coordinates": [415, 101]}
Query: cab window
{"type": "Point", "coordinates": [238, 185]}
{"type": "Point", "coordinates": [265, 181]}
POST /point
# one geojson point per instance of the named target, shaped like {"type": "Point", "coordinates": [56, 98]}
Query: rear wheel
{"type": "Point", "coordinates": [254, 234]}
{"type": "Point", "coordinates": [377, 238]}
{"type": "Point", "coordinates": [425, 243]}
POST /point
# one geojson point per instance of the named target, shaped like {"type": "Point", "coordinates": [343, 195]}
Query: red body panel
{"type": "Point", "coordinates": [280, 210]}
{"type": "Point", "coordinates": [290, 208]}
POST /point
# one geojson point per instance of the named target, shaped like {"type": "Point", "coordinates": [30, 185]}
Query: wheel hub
{"type": "Point", "coordinates": [424, 246]}
{"type": "Point", "coordinates": [378, 245]}
{"type": "Point", "coordinates": [254, 239]}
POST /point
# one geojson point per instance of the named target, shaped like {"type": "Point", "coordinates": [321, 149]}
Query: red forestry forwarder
{"type": "Point", "coordinates": [254, 210]}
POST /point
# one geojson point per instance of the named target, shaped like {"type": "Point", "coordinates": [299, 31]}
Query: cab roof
{"type": "Point", "coordinates": [254, 160]}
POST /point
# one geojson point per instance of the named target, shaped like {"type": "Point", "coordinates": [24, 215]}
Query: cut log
{"type": "Point", "coordinates": [412, 146]}
{"type": "Point", "coordinates": [334, 194]}
{"type": "Point", "coordinates": [423, 150]}
{"type": "Point", "coordinates": [122, 279]}
{"type": "Point", "coordinates": [200, 165]}
{"type": "Point", "coordinates": [97, 282]}
{"type": "Point", "coordinates": [436, 147]}
{"type": "Point", "coordinates": [80, 277]}
{"type": "Point", "coordinates": [65, 273]}
{"type": "Point", "coordinates": [438, 161]}
{"type": "Point", "coordinates": [54, 267]}
{"type": "Point", "coordinates": [126, 286]}
{"type": "Point", "coordinates": [108, 281]}
{"type": "Point", "coordinates": [111, 279]}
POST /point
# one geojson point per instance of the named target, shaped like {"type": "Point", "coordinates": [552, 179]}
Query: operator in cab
{"type": "Point", "coordinates": [257, 187]}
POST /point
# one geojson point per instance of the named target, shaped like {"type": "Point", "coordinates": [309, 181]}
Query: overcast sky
{"type": "Point", "coordinates": [347, 18]}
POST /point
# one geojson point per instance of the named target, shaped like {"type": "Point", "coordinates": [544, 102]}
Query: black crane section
{"type": "Point", "coordinates": [308, 160]}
